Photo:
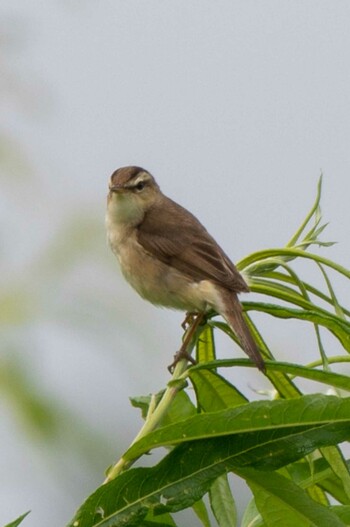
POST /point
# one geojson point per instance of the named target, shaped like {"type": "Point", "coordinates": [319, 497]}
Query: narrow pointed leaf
{"type": "Point", "coordinates": [252, 517]}
{"type": "Point", "coordinates": [256, 262]}
{"type": "Point", "coordinates": [276, 275]}
{"type": "Point", "coordinates": [187, 473]}
{"type": "Point", "coordinates": [222, 502]}
{"type": "Point", "coordinates": [335, 302]}
{"type": "Point", "coordinates": [161, 520]}
{"type": "Point", "coordinates": [19, 520]}
{"type": "Point", "coordinates": [177, 482]}
{"type": "Point", "coordinates": [343, 512]}
{"type": "Point", "coordinates": [337, 326]}
{"type": "Point", "coordinates": [318, 495]}
{"type": "Point", "coordinates": [281, 382]}
{"type": "Point", "coordinates": [181, 407]}
{"type": "Point", "coordinates": [280, 501]}
{"type": "Point", "coordinates": [334, 487]}
{"type": "Point", "coordinates": [214, 392]}
{"type": "Point", "coordinates": [332, 379]}
{"type": "Point", "coordinates": [315, 210]}
{"type": "Point", "coordinates": [339, 466]}
{"type": "Point", "coordinates": [320, 474]}
{"type": "Point", "coordinates": [286, 416]}
{"type": "Point", "coordinates": [205, 347]}
{"type": "Point", "coordinates": [201, 512]}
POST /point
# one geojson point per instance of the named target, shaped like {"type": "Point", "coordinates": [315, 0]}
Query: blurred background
{"type": "Point", "coordinates": [236, 107]}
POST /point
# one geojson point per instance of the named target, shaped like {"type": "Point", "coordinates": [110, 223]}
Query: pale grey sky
{"type": "Point", "coordinates": [234, 106]}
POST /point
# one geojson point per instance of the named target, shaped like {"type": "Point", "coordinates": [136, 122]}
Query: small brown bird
{"type": "Point", "coordinates": [167, 255]}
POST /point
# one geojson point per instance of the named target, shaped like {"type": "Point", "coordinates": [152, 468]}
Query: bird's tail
{"type": "Point", "coordinates": [234, 317]}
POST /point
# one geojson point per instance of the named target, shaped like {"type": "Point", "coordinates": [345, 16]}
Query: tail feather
{"type": "Point", "coordinates": [234, 317]}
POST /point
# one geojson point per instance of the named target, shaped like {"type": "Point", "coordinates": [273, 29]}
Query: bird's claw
{"type": "Point", "coordinates": [180, 355]}
{"type": "Point", "coordinates": [189, 319]}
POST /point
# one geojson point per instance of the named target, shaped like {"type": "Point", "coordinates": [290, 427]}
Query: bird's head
{"type": "Point", "coordinates": [132, 191]}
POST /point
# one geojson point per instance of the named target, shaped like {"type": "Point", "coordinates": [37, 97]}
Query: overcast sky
{"type": "Point", "coordinates": [235, 107]}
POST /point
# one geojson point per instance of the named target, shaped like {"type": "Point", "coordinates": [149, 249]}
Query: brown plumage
{"type": "Point", "coordinates": [169, 257]}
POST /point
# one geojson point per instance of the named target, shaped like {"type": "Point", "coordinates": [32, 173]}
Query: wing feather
{"type": "Point", "coordinates": [178, 239]}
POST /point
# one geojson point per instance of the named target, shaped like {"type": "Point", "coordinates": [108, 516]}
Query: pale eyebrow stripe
{"type": "Point", "coordinates": [142, 177]}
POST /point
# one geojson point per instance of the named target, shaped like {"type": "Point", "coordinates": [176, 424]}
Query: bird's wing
{"type": "Point", "coordinates": [177, 238]}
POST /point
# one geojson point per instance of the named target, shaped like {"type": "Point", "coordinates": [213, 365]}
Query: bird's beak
{"type": "Point", "coordinates": [117, 188]}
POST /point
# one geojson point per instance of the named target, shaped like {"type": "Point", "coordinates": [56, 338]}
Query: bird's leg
{"type": "Point", "coordinates": [196, 319]}
{"type": "Point", "coordinates": [189, 319]}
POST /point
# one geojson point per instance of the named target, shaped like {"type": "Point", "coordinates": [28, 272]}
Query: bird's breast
{"type": "Point", "coordinates": [154, 280]}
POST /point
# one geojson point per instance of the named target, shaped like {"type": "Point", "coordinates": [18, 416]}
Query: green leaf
{"type": "Point", "coordinates": [181, 407]}
{"type": "Point", "coordinates": [333, 486]}
{"type": "Point", "coordinates": [257, 262]}
{"type": "Point", "coordinates": [298, 417]}
{"type": "Point", "coordinates": [177, 482]}
{"type": "Point", "coordinates": [252, 517]}
{"type": "Point", "coordinates": [343, 512]}
{"type": "Point", "coordinates": [205, 347]}
{"type": "Point", "coordinates": [337, 326]}
{"type": "Point", "coordinates": [280, 381]}
{"type": "Point", "coordinates": [143, 402]}
{"type": "Point", "coordinates": [274, 289]}
{"type": "Point", "coordinates": [188, 471]}
{"type": "Point", "coordinates": [339, 466]}
{"type": "Point", "coordinates": [314, 211]}
{"type": "Point", "coordinates": [337, 306]}
{"type": "Point", "coordinates": [318, 495]}
{"type": "Point", "coordinates": [320, 474]}
{"type": "Point", "coordinates": [155, 522]}
{"type": "Point", "coordinates": [161, 520]}
{"type": "Point", "coordinates": [222, 502]}
{"type": "Point", "coordinates": [308, 287]}
{"type": "Point", "coordinates": [214, 392]}
{"type": "Point", "coordinates": [281, 502]}
{"type": "Point", "coordinates": [333, 379]}
{"type": "Point", "coordinates": [201, 512]}
{"type": "Point", "coordinates": [18, 521]}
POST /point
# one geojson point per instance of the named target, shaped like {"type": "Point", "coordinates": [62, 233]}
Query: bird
{"type": "Point", "coordinates": [169, 257]}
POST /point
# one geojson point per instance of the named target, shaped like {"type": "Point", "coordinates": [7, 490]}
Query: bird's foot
{"type": "Point", "coordinates": [190, 325]}
{"type": "Point", "coordinates": [189, 319]}
{"type": "Point", "coordinates": [180, 355]}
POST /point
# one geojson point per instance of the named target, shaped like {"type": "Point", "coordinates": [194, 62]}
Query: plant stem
{"type": "Point", "coordinates": [154, 418]}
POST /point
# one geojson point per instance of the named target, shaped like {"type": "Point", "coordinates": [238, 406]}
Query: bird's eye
{"type": "Point", "coordinates": [140, 186]}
